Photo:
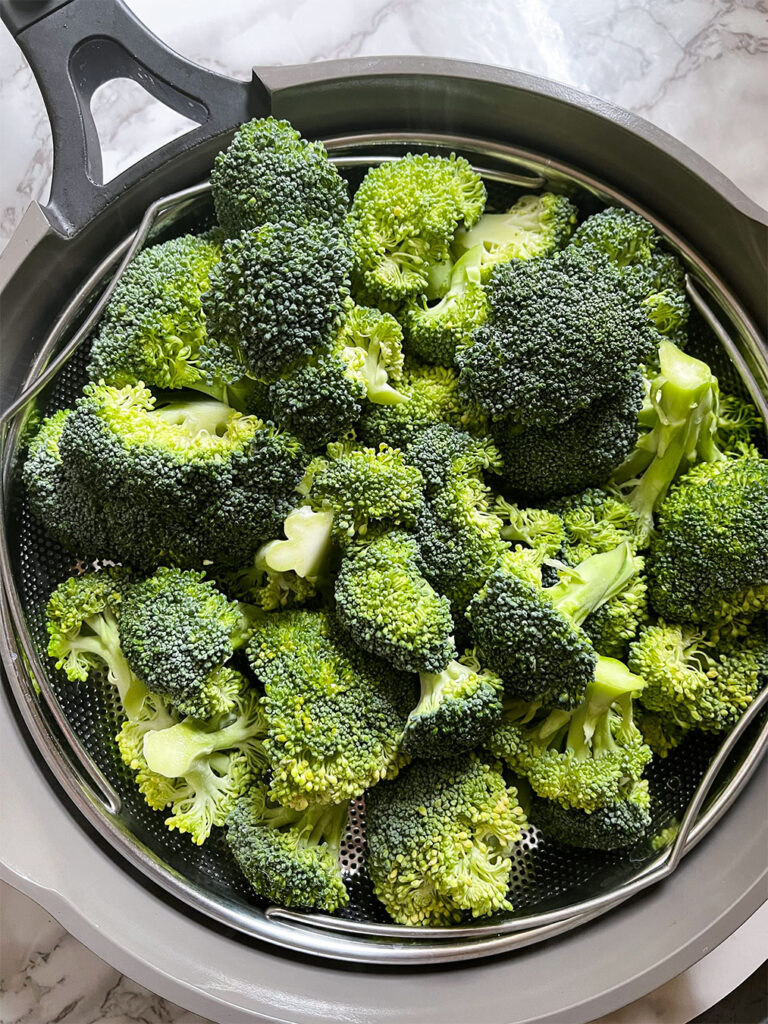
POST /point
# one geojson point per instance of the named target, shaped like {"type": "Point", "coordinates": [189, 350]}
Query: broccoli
{"type": "Point", "coordinates": [616, 623]}
{"type": "Point", "coordinates": [270, 173]}
{"type": "Point", "coordinates": [739, 424]}
{"type": "Point", "coordinates": [588, 757]}
{"type": "Point", "coordinates": [660, 732]}
{"type": "Point", "coordinates": [197, 768]}
{"type": "Point", "coordinates": [439, 840]}
{"type": "Point", "coordinates": [680, 422]}
{"type": "Point", "coordinates": [700, 678]}
{"type": "Point", "coordinates": [182, 482]}
{"type": "Point", "coordinates": [540, 529]}
{"type": "Point", "coordinates": [335, 715]}
{"type": "Point", "coordinates": [178, 632]}
{"type": "Point", "coordinates": [83, 633]}
{"type": "Point", "coordinates": [435, 331]}
{"type": "Point", "coordinates": [388, 607]}
{"type": "Point", "coordinates": [532, 637]}
{"type": "Point", "coordinates": [276, 298]}
{"type": "Point", "coordinates": [612, 827]}
{"type": "Point", "coordinates": [70, 512]}
{"type": "Point", "coordinates": [432, 394]}
{"type": "Point", "coordinates": [595, 520]}
{"type": "Point", "coordinates": [651, 275]}
{"type": "Point", "coordinates": [366, 489]}
{"type": "Point", "coordinates": [535, 226]}
{"type": "Point", "coordinates": [403, 219]}
{"type": "Point", "coordinates": [289, 856]}
{"type": "Point", "coordinates": [580, 452]}
{"type": "Point", "coordinates": [709, 559]}
{"type": "Point", "coordinates": [455, 713]}
{"type": "Point", "coordinates": [153, 327]}
{"type": "Point", "coordinates": [560, 333]}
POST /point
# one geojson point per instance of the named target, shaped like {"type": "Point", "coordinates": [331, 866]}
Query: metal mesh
{"type": "Point", "coordinates": [545, 875]}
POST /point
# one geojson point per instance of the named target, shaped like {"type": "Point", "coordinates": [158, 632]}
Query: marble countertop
{"type": "Point", "coordinates": [696, 68]}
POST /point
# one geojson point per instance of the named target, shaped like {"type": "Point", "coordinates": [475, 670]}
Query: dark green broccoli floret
{"type": "Point", "coordinates": [153, 327]}
{"type": "Point", "coordinates": [178, 632]}
{"type": "Point", "coordinates": [532, 637]}
{"type": "Point", "coordinates": [270, 173]}
{"type": "Point", "coordinates": [435, 331]}
{"type": "Point", "coordinates": [367, 489]}
{"type": "Point", "coordinates": [276, 298]}
{"type": "Point", "coordinates": [560, 333]}
{"type": "Point", "coordinates": [586, 758]}
{"type": "Point", "coordinates": [182, 482]}
{"type": "Point", "coordinates": [709, 559]}
{"type": "Point", "coordinates": [680, 422]}
{"type": "Point", "coordinates": [580, 452]}
{"type": "Point", "coordinates": [455, 713]}
{"type": "Point", "coordinates": [82, 621]}
{"type": "Point", "coordinates": [439, 840]}
{"type": "Point", "coordinates": [197, 768]}
{"type": "Point", "coordinates": [403, 219]}
{"type": "Point", "coordinates": [335, 714]}
{"type": "Point", "coordinates": [612, 827]}
{"type": "Point", "coordinates": [700, 678]}
{"type": "Point", "coordinates": [388, 607]}
{"type": "Point", "coordinates": [535, 226]}
{"type": "Point", "coordinates": [289, 856]}
{"type": "Point", "coordinates": [432, 394]}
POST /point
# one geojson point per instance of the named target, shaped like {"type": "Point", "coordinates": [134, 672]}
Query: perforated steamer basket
{"type": "Point", "coordinates": [364, 112]}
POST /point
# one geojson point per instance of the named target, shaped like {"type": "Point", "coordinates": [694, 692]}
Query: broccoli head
{"type": "Point", "coordinates": [289, 856]}
{"type": "Point", "coordinates": [403, 219]}
{"type": "Point", "coordinates": [594, 520]}
{"type": "Point", "coordinates": [538, 528]}
{"type": "Point", "coordinates": [335, 715]}
{"type": "Point", "coordinates": [270, 173]}
{"type": "Point", "coordinates": [613, 626]}
{"type": "Point", "coordinates": [439, 841]}
{"type": "Point", "coordinates": [612, 827]}
{"type": "Point", "coordinates": [560, 333]}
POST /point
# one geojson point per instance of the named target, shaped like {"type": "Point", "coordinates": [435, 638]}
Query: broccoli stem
{"type": "Point", "coordinates": [197, 417]}
{"type": "Point", "coordinates": [173, 752]}
{"type": "Point", "coordinates": [590, 732]}
{"type": "Point", "coordinates": [593, 582]}
{"type": "Point", "coordinates": [105, 643]}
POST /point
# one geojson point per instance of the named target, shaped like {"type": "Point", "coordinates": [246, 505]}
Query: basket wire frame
{"type": "Point", "coordinates": [552, 887]}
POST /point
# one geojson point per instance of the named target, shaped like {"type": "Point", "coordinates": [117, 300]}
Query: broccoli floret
{"type": "Point", "coordinates": [616, 623]}
{"type": "Point", "coordinates": [439, 841]}
{"type": "Point", "coordinates": [532, 637]}
{"type": "Point", "coordinates": [335, 714]}
{"type": "Point", "coordinates": [270, 173]}
{"type": "Point", "coordinates": [612, 827]}
{"type": "Point", "coordinates": [197, 768]}
{"type": "Point", "coordinates": [560, 333]}
{"type": "Point", "coordinates": [70, 513]}
{"type": "Point", "coordinates": [739, 424]}
{"type": "Point", "coordinates": [535, 226]}
{"type": "Point", "coordinates": [538, 528]}
{"type": "Point", "coordinates": [434, 331]}
{"type": "Point", "coordinates": [403, 219]}
{"type": "Point", "coordinates": [371, 345]}
{"type": "Point", "coordinates": [455, 713]}
{"type": "Point", "coordinates": [366, 489]}
{"type": "Point", "coordinates": [659, 732]}
{"type": "Point", "coordinates": [432, 394]}
{"type": "Point", "coordinates": [153, 327]}
{"type": "Point", "coordinates": [680, 420]}
{"type": "Point", "coordinates": [177, 632]}
{"type": "Point", "coordinates": [586, 758]}
{"type": "Point", "coordinates": [289, 856]}
{"type": "Point", "coordinates": [83, 633]}
{"type": "Point", "coordinates": [276, 298]}
{"type": "Point", "coordinates": [182, 482]}
{"type": "Point", "coordinates": [651, 275]}
{"type": "Point", "coordinates": [700, 678]}
{"type": "Point", "coordinates": [389, 608]}
{"type": "Point", "coordinates": [580, 452]}
{"type": "Point", "coordinates": [594, 520]}
{"type": "Point", "coordinates": [709, 559]}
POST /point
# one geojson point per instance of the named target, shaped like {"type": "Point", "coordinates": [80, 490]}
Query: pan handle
{"type": "Point", "coordinates": [75, 46]}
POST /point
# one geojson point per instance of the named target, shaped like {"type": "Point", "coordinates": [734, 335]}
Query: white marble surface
{"type": "Point", "coordinates": [697, 68]}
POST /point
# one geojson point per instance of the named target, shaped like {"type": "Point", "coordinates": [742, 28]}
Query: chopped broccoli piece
{"type": "Point", "coordinates": [335, 715]}
{"type": "Point", "coordinates": [540, 529]}
{"type": "Point", "coordinates": [616, 623]}
{"type": "Point", "coordinates": [388, 607]}
{"type": "Point", "coordinates": [594, 520]}
{"type": "Point", "coordinates": [270, 173]}
{"type": "Point", "coordinates": [439, 841]}
{"type": "Point", "coordinates": [403, 219]}
{"type": "Point", "coordinates": [612, 827]}
{"type": "Point", "coordinates": [289, 856]}
{"type": "Point", "coordinates": [535, 226]}
{"type": "Point", "coordinates": [371, 344]}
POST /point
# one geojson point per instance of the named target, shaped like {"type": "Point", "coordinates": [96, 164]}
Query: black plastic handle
{"type": "Point", "coordinates": [75, 46]}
